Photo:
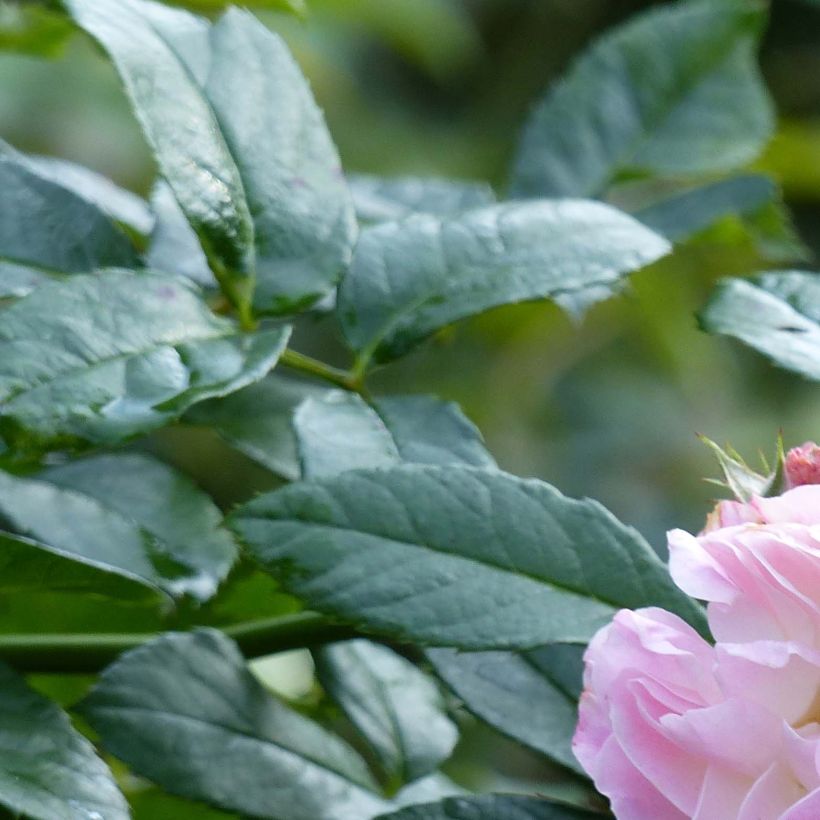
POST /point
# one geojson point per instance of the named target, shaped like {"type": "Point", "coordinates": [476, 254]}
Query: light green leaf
{"type": "Point", "coordinates": [159, 55]}
{"type": "Point", "coordinates": [383, 199]}
{"type": "Point", "coordinates": [117, 203]}
{"type": "Point", "coordinates": [777, 314]}
{"type": "Point", "coordinates": [455, 556]}
{"type": "Point", "coordinates": [428, 789]}
{"type": "Point", "coordinates": [103, 358]}
{"type": "Point", "coordinates": [492, 807]}
{"type": "Point", "coordinates": [174, 246]}
{"type": "Point", "coordinates": [339, 431]}
{"type": "Point", "coordinates": [18, 280]}
{"type": "Point", "coordinates": [184, 523]}
{"type": "Point", "coordinates": [32, 30]}
{"type": "Point", "coordinates": [185, 712]}
{"type": "Point", "coordinates": [302, 211]}
{"type": "Point", "coordinates": [395, 706]}
{"type": "Point", "coordinates": [673, 92]}
{"type": "Point", "coordinates": [502, 689]}
{"type": "Point", "coordinates": [241, 142]}
{"type": "Point", "coordinates": [679, 212]}
{"type": "Point", "coordinates": [258, 421]}
{"type": "Point", "coordinates": [412, 277]}
{"type": "Point", "coordinates": [123, 514]}
{"type": "Point", "coordinates": [48, 770]}
{"type": "Point", "coordinates": [46, 225]}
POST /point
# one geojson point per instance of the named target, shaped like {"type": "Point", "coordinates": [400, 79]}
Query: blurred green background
{"type": "Point", "coordinates": [608, 408]}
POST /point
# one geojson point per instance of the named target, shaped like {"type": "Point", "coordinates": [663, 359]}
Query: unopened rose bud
{"type": "Point", "coordinates": [802, 466]}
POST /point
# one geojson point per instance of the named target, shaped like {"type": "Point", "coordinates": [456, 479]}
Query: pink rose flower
{"type": "Point", "coordinates": [671, 726]}
{"type": "Point", "coordinates": [802, 466]}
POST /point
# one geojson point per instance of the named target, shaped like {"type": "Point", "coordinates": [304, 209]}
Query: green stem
{"type": "Point", "coordinates": [306, 364]}
{"type": "Point", "coordinates": [89, 654]}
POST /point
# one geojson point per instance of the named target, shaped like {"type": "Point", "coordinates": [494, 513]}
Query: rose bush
{"type": "Point", "coordinates": [671, 726]}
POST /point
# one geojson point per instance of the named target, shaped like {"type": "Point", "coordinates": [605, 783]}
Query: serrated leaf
{"type": "Point", "coordinates": [491, 807]}
{"type": "Point", "coordinates": [412, 277]}
{"type": "Point", "coordinates": [673, 92]}
{"type": "Point", "coordinates": [503, 688]}
{"type": "Point", "coordinates": [239, 139]}
{"type": "Point", "coordinates": [18, 280]}
{"type": "Point", "coordinates": [455, 556]}
{"type": "Point", "coordinates": [258, 421]}
{"type": "Point", "coordinates": [48, 770]}
{"type": "Point", "coordinates": [185, 523]}
{"type": "Point", "coordinates": [174, 246]}
{"type": "Point", "coordinates": [303, 214]}
{"type": "Point", "coordinates": [106, 357]}
{"type": "Point", "coordinates": [339, 431]}
{"type": "Point", "coordinates": [777, 314]}
{"type": "Point", "coordinates": [185, 712]}
{"type": "Point", "coordinates": [153, 49]}
{"type": "Point", "coordinates": [384, 199]}
{"type": "Point", "coordinates": [395, 706]}
{"type": "Point", "coordinates": [46, 225]}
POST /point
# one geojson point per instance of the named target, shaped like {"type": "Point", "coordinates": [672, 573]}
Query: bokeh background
{"type": "Point", "coordinates": [607, 408]}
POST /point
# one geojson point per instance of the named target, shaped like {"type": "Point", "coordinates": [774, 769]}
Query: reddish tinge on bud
{"type": "Point", "coordinates": [802, 466]}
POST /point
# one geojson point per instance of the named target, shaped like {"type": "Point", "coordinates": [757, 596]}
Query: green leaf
{"type": "Point", "coordinates": [46, 225]}
{"type": "Point", "coordinates": [241, 142]}
{"type": "Point", "coordinates": [383, 199]}
{"type": "Point", "coordinates": [395, 706]}
{"type": "Point", "coordinates": [257, 421]}
{"type": "Point", "coordinates": [339, 431]}
{"type": "Point", "coordinates": [412, 277]}
{"type": "Point", "coordinates": [491, 807]}
{"type": "Point", "coordinates": [48, 770]}
{"type": "Point", "coordinates": [679, 212]}
{"type": "Point", "coordinates": [124, 514]}
{"type": "Point", "coordinates": [103, 358]}
{"type": "Point", "coordinates": [501, 688]}
{"type": "Point", "coordinates": [18, 280]}
{"type": "Point", "coordinates": [777, 314]}
{"type": "Point", "coordinates": [185, 712]}
{"type": "Point", "coordinates": [303, 214]}
{"type": "Point", "coordinates": [174, 246]}
{"type": "Point", "coordinates": [184, 523]}
{"type": "Point", "coordinates": [673, 92]}
{"type": "Point", "coordinates": [117, 203]}
{"type": "Point", "coordinates": [455, 556]}
{"type": "Point", "coordinates": [160, 55]}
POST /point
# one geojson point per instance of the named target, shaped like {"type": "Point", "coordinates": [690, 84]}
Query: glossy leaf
{"type": "Point", "coordinates": [241, 142]}
{"type": "Point", "coordinates": [777, 314]}
{"type": "Point", "coordinates": [48, 770]}
{"type": "Point", "coordinates": [185, 712]}
{"type": "Point", "coordinates": [455, 556]}
{"type": "Point", "coordinates": [123, 514]}
{"type": "Point", "coordinates": [302, 211]}
{"type": "Point", "coordinates": [46, 225]}
{"type": "Point", "coordinates": [103, 358]}
{"type": "Point", "coordinates": [674, 92]}
{"type": "Point", "coordinates": [119, 204]}
{"type": "Point", "coordinates": [258, 421]}
{"type": "Point", "coordinates": [492, 807]}
{"type": "Point", "coordinates": [339, 431]}
{"type": "Point", "coordinates": [519, 694]}
{"type": "Point", "coordinates": [412, 277]}
{"type": "Point", "coordinates": [395, 706]}
{"type": "Point", "coordinates": [174, 247]}
{"type": "Point", "coordinates": [383, 199]}
{"type": "Point", "coordinates": [160, 55]}
{"type": "Point", "coordinates": [185, 525]}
